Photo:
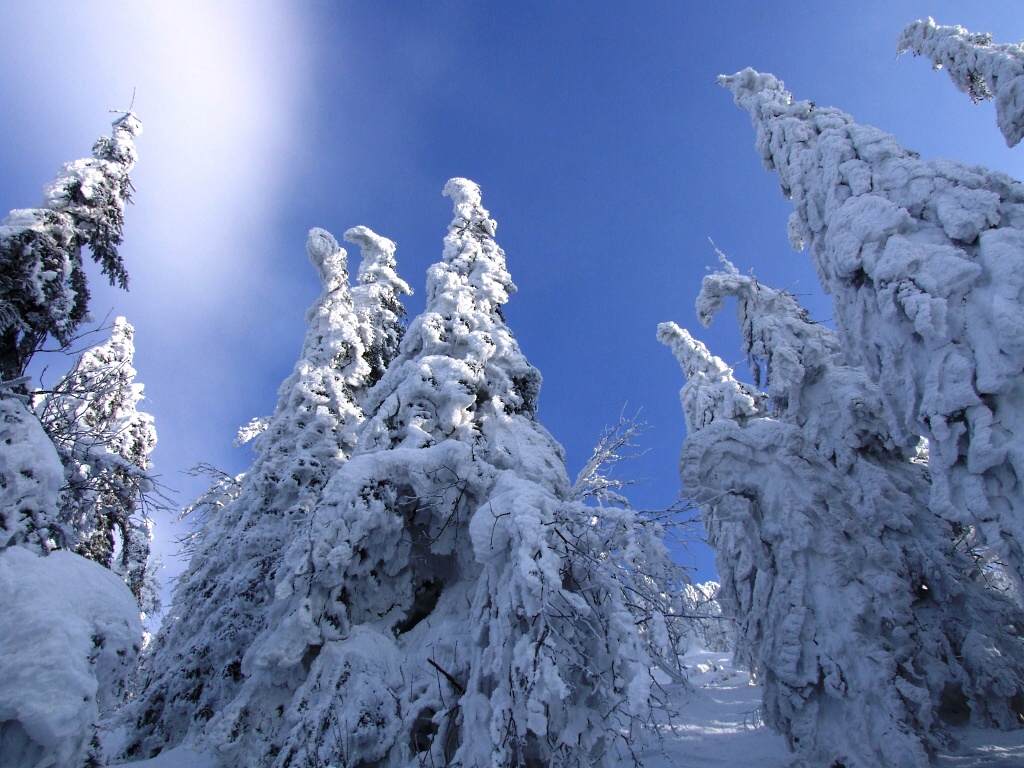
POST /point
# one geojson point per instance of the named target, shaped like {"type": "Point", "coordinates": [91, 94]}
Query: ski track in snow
{"type": "Point", "coordinates": [716, 725]}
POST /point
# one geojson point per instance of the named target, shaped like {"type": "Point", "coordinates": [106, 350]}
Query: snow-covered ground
{"type": "Point", "coordinates": [717, 725]}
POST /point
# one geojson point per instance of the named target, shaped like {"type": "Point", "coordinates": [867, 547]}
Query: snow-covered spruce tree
{"type": "Point", "coordinates": [446, 604]}
{"type": "Point", "coordinates": [220, 604]}
{"type": "Point", "coordinates": [104, 443]}
{"type": "Point", "coordinates": [43, 288]}
{"type": "Point", "coordinates": [940, 629]}
{"type": "Point", "coordinates": [977, 67]}
{"type": "Point", "coordinates": [376, 301]}
{"type": "Point", "coordinates": [925, 263]}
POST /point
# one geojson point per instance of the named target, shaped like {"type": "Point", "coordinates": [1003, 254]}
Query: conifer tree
{"type": "Point", "coordinates": [376, 301]}
{"type": "Point", "coordinates": [220, 603]}
{"type": "Point", "coordinates": [977, 66]}
{"type": "Point", "coordinates": [447, 603]}
{"type": "Point", "coordinates": [104, 443]}
{"type": "Point", "coordinates": [43, 288]}
{"type": "Point", "coordinates": [884, 561]}
{"type": "Point", "coordinates": [925, 263]}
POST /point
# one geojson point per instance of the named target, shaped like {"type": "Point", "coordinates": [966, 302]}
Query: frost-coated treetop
{"type": "Point", "coordinates": [925, 261]}
{"type": "Point", "coordinates": [220, 603]}
{"type": "Point", "coordinates": [44, 290]}
{"type": "Point", "coordinates": [711, 391]}
{"type": "Point", "coordinates": [376, 300]}
{"type": "Point", "coordinates": [977, 66]}
{"type": "Point", "coordinates": [808, 379]}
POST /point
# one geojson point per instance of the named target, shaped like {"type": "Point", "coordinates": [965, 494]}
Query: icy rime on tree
{"type": "Point", "coordinates": [976, 66]}
{"type": "Point", "coordinates": [376, 300]}
{"type": "Point", "coordinates": [925, 262]}
{"type": "Point", "coordinates": [104, 443]}
{"type": "Point", "coordinates": [445, 603]}
{"type": "Point", "coordinates": [220, 603]}
{"type": "Point", "coordinates": [854, 606]}
{"type": "Point", "coordinates": [43, 290]}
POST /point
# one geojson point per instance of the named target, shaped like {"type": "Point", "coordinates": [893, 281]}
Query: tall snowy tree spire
{"type": "Point", "coordinates": [925, 261]}
{"type": "Point", "coordinates": [851, 602]}
{"type": "Point", "coordinates": [220, 603]}
{"type": "Point", "coordinates": [447, 604]}
{"type": "Point", "coordinates": [43, 288]}
{"type": "Point", "coordinates": [977, 67]}
{"type": "Point", "coordinates": [376, 300]}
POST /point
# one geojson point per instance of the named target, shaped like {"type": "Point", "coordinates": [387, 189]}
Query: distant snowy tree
{"type": "Point", "coordinates": [977, 67]}
{"type": "Point", "coordinates": [665, 606]}
{"type": "Point", "coordinates": [43, 288]}
{"type": "Point", "coordinates": [925, 261]}
{"type": "Point", "coordinates": [446, 602]}
{"type": "Point", "coordinates": [104, 443]}
{"type": "Point", "coordinates": [220, 604]}
{"type": "Point", "coordinates": [223, 490]}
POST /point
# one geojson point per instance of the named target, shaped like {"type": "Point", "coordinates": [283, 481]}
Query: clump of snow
{"type": "Point", "coordinates": [977, 66]}
{"type": "Point", "coordinates": [925, 261]}
{"type": "Point", "coordinates": [69, 637]}
{"type": "Point", "coordinates": [31, 477]}
{"type": "Point", "coordinates": [45, 292]}
{"type": "Point", "coordinates": [376, 300]}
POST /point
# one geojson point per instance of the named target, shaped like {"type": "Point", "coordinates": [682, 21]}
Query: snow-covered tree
{"type": "Point", "coordinates": [224, 489]}
{"type": "Point", "coordinates": [220, 604]}
{"type": "Point", "coordinates": [925, 263]}
{"type": "Point", "coordinates": [446, 603]}
{"type": "Point", "coordinates": [376, 301]}
{"type": "Point", "coordinates": [977, 66]}
{"type": "Point", "coordinates": [104, 443]}
{"type": "Point", "coordinates": [854, 606]}
{"type": "Point", "coordinates": [667, 608]}
{"type": "Point", "coordinates": [43, 287]}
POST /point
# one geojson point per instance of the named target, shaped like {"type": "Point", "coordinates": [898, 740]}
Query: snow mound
{"type": "Point", "coordinates": [69, 638]}
{"type": "Point", "coordinates": [976, 66]}
{"type": "Point", "coordinates": [31, 477]}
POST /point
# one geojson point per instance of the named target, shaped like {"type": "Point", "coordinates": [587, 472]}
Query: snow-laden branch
{"type": "Point", "coordinates": [977, 66]}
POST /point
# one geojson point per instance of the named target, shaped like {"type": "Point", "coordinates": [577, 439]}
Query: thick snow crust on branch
{"type": "Point", "coordinates": [925, 261]}
{"type": "Point", "coordinates": [44, 289]}
{"type": "Point", "coordinates": [853, 607]}
{"type": "Point", "coordinates": [69, 637]}
{"type": "Point", "coordinates": [445, 603]}
{"type": "Point", "coordinates": [977, 66]}
{"type": "Point", "coordinates": [220, 603]}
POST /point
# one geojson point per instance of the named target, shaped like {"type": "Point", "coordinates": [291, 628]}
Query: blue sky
{"type": "Point", "coordinates": [605, 151]}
